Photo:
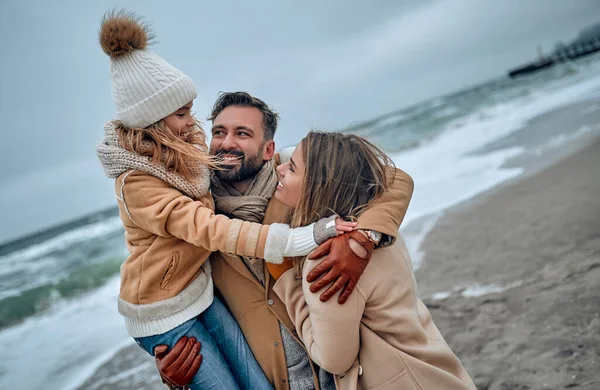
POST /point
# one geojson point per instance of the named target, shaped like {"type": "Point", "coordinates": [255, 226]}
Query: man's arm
{"type": "Point", "coordinates": [178, 366]}
{"type": "Point", "coordinates": [385, 214]}
{"type": "Point", "coordinates": [343, 267]}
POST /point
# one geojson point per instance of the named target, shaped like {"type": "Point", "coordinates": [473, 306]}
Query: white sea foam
{"type": "Point", "coordinates": [447, 170]}
{"type": "Point", "coordinates": [414, 239]}
{"type": "Point", "coordinates": [65, 345]}
{"type": "Point", "coordinates": [475, 290]}
{"type": "Point", "coordinates": [561, 139]}
{"type": "Point", "coordinates": [440, 296]}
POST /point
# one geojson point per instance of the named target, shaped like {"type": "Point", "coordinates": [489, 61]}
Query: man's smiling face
{"type": "Point", "coordinates": [238, 136]}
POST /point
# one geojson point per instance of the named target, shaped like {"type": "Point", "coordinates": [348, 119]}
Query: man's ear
{"type": "Point", "coordinates": [268, 150]}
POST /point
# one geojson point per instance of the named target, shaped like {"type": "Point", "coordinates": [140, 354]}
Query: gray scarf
{"type": "Point", "coordinates": [116, 160]}
{"type": "Point", "coordinates": [248, 206]}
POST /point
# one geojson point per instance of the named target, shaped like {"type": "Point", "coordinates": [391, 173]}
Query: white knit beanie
{"type": "Point", "coordinates": [145, 87]}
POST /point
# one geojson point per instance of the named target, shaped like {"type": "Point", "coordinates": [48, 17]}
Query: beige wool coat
{"type": "Point", "coordinates": [382, 338]}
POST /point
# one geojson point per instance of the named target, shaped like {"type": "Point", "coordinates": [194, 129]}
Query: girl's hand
{"type": "Point", "coordinates": [342, 226]}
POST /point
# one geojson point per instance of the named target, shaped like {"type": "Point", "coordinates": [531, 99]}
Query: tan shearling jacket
{"type": "Point", "coordinates": [382, 338]}
{"type": "Point", "coordinates": [166, 280]}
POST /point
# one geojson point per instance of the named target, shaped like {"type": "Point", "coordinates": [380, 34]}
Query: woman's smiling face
{"type": "Point", "coordinates": [291, 177]}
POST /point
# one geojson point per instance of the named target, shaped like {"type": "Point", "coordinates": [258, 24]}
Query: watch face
{"type": "Point", "coordinates": [374, 236]}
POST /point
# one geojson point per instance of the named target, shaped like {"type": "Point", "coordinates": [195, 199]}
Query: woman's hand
{"type": "Point", "coordinates": [342, 226]}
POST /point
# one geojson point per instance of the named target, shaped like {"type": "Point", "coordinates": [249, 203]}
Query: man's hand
{"type": "Point", "coordinates": [342, 267]}
{"type": "Point", "coordinates": [178, 366]}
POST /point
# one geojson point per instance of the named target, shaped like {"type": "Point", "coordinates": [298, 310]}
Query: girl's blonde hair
{"type": "Point", "coordinates": [163, 147]}
{"type": "Point", "coordinates": [343, 173]}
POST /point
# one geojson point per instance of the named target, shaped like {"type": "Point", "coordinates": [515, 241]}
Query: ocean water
{"type": "Point", "coordinates": [58, 288]}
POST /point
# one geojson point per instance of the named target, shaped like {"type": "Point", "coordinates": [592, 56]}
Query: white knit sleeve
{"type": "Point", "coordinates": [282, 241]}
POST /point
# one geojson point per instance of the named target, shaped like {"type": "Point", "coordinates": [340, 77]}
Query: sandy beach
{"type": "Point", "coordinates": [536, 242]}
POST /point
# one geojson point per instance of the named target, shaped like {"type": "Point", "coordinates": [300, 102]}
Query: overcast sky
{"type": "Point", "coordinates": [321, 64]}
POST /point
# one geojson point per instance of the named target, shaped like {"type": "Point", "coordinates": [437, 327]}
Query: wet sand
{"type": "Point", "coordinates": [536, 242]}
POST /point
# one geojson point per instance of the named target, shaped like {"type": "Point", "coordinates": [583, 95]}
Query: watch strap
{"type": "Point", "coordinates": [364, 241]}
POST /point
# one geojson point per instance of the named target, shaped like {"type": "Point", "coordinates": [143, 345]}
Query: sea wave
{"type": "Point", "coordinates": [62, 241]}
{"type": "Point", "coordinates": [26, 303]}
{"type": "Point", "coordinates": [33, 271]}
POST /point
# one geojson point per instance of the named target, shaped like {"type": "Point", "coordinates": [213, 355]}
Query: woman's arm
{"type": "Point", "coordinates": [329, 331]}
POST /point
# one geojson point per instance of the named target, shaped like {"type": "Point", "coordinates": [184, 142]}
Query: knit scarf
{"type": "Point", "coordinates": [248, 206]}
{"type": "Point", "coordinates": [116, 160]}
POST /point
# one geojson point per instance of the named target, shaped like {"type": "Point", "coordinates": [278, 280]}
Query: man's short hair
{"type": "Point", "coordinates": [244, 99]}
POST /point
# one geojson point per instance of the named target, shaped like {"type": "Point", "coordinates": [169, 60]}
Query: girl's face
{"type": "Point", "coordinates": [291, 176]}
{"type": "Point", "coordinates": [181, 121]}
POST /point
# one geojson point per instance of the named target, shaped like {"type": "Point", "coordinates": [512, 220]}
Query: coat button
{"type": "Point", "coordinates": [359, 370]}
{"type": "Point", "coordinates": [276, 343]}
{"type": "Point", "coordinates": [294, 332]}
{"type": "Point", "coordinates": [270, 302]}
{"type": "Point", "coordinates": [283, 380]}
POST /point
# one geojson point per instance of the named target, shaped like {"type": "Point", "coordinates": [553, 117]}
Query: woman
{"type": "Point", "coordinates": [383, 337]}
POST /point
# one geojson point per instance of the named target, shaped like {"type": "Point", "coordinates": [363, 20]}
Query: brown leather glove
{"type": "Point", "coordinates": [178, 366]}
{"type": "Point", "coordinates": [342, 267]}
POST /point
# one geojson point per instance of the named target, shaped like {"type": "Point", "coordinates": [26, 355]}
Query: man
{"type": "Point", "coordinates": [243, 128]}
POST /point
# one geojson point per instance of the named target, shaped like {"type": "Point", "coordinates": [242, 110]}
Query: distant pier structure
{"type": "Point", "coordinates": [577, 49]}
{"type": "Point", "coordinates": [587, 43]}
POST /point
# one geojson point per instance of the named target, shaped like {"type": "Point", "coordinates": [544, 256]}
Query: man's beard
{"type": "Point", "coordinates": [247, 168]}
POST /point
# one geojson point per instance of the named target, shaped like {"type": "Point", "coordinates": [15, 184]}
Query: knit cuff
{"type": "Point", "coordinates": [300, 241]}
{"type": "Point", "coordinates": [276, 242]}
{"type": "Point", "coordinates": [285, 242]}
{"type": "Point", "coordinates": [325, 229]}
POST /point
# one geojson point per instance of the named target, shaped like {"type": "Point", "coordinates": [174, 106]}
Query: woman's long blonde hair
{"type": "Point", "coordinates": [163, 147]}
{"type": "Point", "coordinates": [343, 173]}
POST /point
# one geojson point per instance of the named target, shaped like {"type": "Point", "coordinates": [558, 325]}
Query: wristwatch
{"type": "Point", "coordinates": [373, 236]}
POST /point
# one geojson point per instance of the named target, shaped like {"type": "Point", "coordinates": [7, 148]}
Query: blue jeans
{"type": "Point", "coordinates": [227, 361]}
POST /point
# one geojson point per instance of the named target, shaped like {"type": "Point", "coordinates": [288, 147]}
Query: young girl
{"type": "Point", "coordinates": [156, 151]}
